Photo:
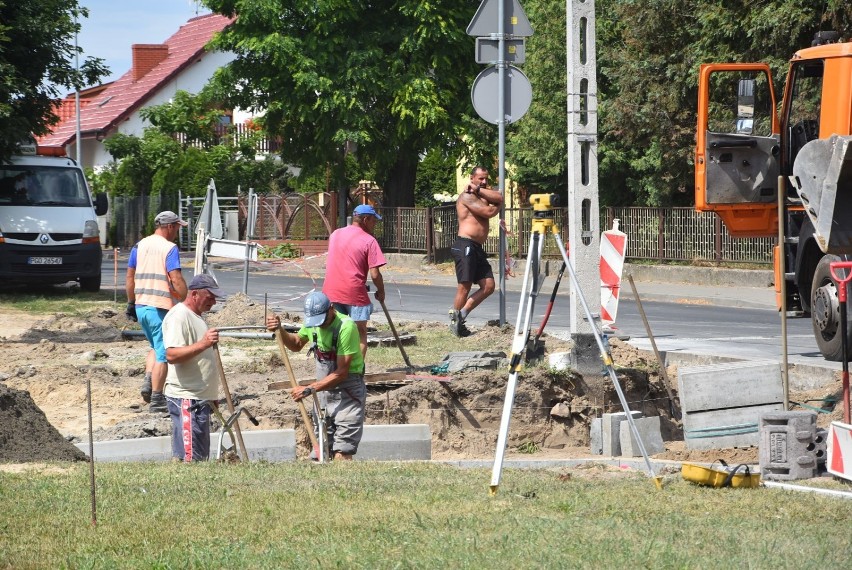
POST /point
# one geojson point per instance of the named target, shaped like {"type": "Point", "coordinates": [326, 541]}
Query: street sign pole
{"type": "Point", "coordinates": [501, 153]}
{"type": "Point", "coordinates": [511, 24]}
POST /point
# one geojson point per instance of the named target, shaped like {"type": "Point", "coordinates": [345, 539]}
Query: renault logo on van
{"type": "Point", "coordinates": [44, 238]}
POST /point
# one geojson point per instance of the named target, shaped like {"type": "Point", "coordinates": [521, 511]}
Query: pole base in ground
{"type": "Point", "coordinates": [586, 353]}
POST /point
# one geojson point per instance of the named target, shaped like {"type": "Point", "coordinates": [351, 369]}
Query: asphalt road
{"type": "Point", "coordinates": [688, 326]}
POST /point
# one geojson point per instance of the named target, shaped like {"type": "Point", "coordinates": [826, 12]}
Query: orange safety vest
{"type": "Point", "coordinates": [153, 287]}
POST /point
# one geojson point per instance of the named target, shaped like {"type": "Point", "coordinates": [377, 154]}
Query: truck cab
{"type": "Point", "coordinates": [747, 151]}
{"type": "Point", "coordinates": [48, 222]}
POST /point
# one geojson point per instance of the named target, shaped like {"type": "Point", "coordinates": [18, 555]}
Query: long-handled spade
{"type": "Point", "coordinates": [230, 402]}
{"type": "Point", "coordinates": [309, 425]}
{"type": "Point", "coordinates": [396, 337]}
{"type": "Point", "coordinates": [535, 346]}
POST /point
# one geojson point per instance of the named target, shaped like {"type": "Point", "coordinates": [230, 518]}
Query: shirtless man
{"type": "Point", "coordinates": [475, 206]}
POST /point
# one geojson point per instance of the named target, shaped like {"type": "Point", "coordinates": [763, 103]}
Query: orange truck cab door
{"type": "Point", "coordinates": [738, 148]}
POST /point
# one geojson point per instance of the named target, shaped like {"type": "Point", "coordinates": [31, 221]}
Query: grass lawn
{"type": "Point", "coordinates": [405, 515]}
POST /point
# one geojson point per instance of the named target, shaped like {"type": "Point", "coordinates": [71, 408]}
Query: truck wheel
{"type": "Point", "coordinates": [91, 284]}
{"type": "Point", "coordinates": [825, 313]}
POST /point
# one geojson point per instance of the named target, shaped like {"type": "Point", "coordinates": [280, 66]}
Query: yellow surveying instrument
{"type": "Point", "coordinates": [542, 205]}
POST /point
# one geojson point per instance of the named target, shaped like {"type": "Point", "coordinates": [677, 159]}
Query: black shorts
{"type": "Point", "coordinates": [471, 263]}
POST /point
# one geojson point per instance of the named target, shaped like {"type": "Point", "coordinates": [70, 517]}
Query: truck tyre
{"type": "Point", "coordinates": [91, 284]}
{"type": "Point", "coordinates": [825, 312]}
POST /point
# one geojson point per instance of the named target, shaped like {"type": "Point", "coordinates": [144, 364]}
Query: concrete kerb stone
{"type": "Point", "coordinates": [390, 442]}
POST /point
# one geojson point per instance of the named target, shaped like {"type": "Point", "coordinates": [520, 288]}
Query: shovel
{"type": "Point", "coordinates": [396, 337]}
{"type": "Point", "coordinates": [535, 346]}
{"type": "Point", "coordinates": [230, 402]}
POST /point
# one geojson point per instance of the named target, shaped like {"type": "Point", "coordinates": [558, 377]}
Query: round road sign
{"type": "Point", "coordinates": [517, 98]}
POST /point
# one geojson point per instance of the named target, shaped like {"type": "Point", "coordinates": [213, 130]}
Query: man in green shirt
{"type": "Point", "coordinates": [336, 345]}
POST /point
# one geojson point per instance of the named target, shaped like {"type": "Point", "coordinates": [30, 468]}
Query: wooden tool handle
{"type": "Point", "coordinates": [230, 402]}
{"type": "Point", "coordinates": [309, 425]}
{"type": "Point", "coordinates": [395, 335]}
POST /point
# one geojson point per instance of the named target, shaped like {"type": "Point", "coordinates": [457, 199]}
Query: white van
{"type": "Point", "coordinates": [48, 223]}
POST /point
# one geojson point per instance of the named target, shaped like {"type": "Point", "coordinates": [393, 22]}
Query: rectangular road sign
{"type": "Point", "coordinates": [488, 50]}
{"type": "Point", "coordinates": [485, 21]}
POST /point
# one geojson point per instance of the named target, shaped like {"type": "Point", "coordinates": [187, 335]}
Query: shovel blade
{"type": "Point", "coordinates": [534, 351]}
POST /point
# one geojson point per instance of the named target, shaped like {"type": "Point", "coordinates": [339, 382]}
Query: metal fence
{"type": "Point", "coordinates": [655, 234]}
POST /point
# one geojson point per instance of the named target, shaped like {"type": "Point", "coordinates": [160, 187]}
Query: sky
{"type": "Point", "coordinates": [114, 25]}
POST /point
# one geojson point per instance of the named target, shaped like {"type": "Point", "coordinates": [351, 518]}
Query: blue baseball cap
{"type": "Point", "coordinates": [316, 308]}
{"type": "Point", "coordinates": [366, 210]}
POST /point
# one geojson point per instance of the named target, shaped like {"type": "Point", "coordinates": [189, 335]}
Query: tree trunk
{"type": "Point", "coordinates": [399, 185]}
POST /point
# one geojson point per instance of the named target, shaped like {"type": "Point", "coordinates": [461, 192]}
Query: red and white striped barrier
{"type": "Point", "coordinates": [613, 248]}
{"type": "Point", "coordinates": [839, 457]}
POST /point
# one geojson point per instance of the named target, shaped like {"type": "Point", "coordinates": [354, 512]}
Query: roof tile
{"type": "Point", "coordinates": [124, 95]}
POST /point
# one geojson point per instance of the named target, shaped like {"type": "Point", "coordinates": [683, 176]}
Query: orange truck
{"type": "Point", "coordinates": [747, 151]}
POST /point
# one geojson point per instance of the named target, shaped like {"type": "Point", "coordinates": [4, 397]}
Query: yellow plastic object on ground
{"type": "Point", "coordinates": [722, 476]}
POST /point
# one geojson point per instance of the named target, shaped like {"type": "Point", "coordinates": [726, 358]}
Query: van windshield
{"type": "Point", "coordinates": [42, 186]}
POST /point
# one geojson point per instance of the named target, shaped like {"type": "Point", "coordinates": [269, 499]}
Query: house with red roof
{"type": "Point", "coordinates": [182, 62]}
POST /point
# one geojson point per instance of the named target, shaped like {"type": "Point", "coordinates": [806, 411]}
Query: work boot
{"type": "Point", "coordinates": [146, 388]}
{"type": "Point", "coordinates": [457, 326]}
{"type": "Point", "coordinates": [158, 403]}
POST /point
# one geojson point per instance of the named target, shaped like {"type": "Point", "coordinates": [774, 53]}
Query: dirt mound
{"type": "Point", "coordinates": [25, 433]}
{"type": "Point", "coordinates": [552, 410]}
{"type": "Point", "coordinates": [240, 309]}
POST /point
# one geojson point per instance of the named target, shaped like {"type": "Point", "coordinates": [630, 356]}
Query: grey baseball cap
{"type": "Point", "coordinates": [168, 217]}
{"type": "Point", "coordinates": [206, 282]}
{"type": "Point", "coordinates": [316, 308]}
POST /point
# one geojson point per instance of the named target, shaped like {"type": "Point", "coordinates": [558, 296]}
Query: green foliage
{"type": "Point", "coordinates": [435, 175]}
{"type": "Point", "coordinates": [37, 59]}
{"type": "Point", "coordinates": [193, 116]}
{"type": "Point", "coordinates": [280, 251]}
{"type": "Point", "coordinates": [648, 55]}
{"type": "Point", "coordinates": [528, 448]}
{"type": "Point", "coordinates": [157, 163]}
{"type": "Point", "coordinates": [392, 76]}
{"type": "Point", "coordinates": [536, 145]}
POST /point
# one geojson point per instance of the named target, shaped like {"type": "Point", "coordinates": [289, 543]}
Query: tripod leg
{"type": "Point", "coordinates": [607, 359]}
{"type": "Point", "coordinates": [522, 333]}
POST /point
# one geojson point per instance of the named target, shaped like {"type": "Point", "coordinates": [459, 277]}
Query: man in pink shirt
{"type": "Point", "coordinates": [352, 253]}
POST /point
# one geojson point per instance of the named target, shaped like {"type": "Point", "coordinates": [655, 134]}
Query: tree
{"type": "Point", "coordinates": [157, 164]}
{"type": "Point", "coordinates": [392, 76]}
{"type": "Point", "coordinates": [37, 58]}
{"type": "Point", "coordinates": [648, 55]}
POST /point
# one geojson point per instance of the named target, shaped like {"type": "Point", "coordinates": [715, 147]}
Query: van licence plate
{"type": "Point", "coordinates": [45, 261]}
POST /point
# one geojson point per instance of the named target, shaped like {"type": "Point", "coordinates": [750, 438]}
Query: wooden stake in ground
{"type": "Point", "coordinates": [309, 425]}
{"type": "Point", "coordinates": [662, 364]}
{"type": "Point", "coordinates": [230, 402]}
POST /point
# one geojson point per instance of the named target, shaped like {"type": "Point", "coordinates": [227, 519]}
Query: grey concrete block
{"type": "Point", "coordinates": [596, 436]}
{"type": "Point", "coordinates": [722, 403]}
{"type": "Point", "coordinates": [395, 442]}
{"type": "Point", "coordinates": [649, 431]}
{"type": "Point", "coordinates": [610, 433]}
{"type": "Point", "coordinates": [788, 446]}
{"type": "Point", "coordinates": [271, 445]}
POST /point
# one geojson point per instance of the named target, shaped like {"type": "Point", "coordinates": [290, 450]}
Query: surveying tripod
{"type": "Point", "coordinates": [542, 223]}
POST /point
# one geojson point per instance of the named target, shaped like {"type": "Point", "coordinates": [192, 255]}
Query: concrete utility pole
{"type": "Point", "coordinates": [583, 209]}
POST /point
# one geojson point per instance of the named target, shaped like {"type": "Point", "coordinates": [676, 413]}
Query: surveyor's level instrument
{"type": "Point", "coordinates": [542, 223]}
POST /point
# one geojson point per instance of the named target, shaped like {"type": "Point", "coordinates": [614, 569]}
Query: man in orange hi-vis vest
{"type": "Point", "coordinates": [154, 285]}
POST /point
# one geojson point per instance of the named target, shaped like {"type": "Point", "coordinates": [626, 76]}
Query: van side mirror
{"type": "Point", "coordinates": [101, 204]}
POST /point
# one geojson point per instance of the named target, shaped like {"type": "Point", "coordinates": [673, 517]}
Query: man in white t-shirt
{"type": "Point", "coordinates": [192, 380]}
